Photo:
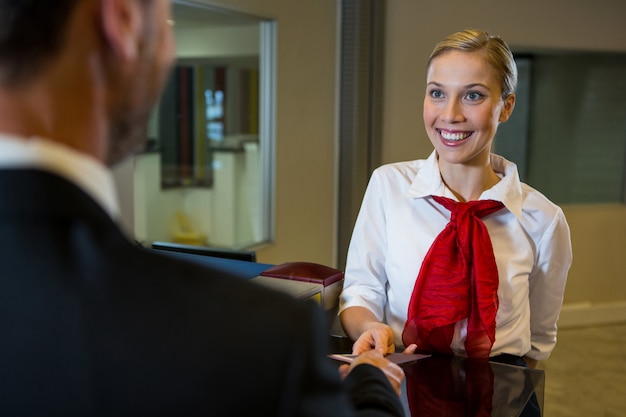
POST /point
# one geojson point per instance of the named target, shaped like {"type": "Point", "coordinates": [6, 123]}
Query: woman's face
{"type": "Point", "coordinates": [463, 106]}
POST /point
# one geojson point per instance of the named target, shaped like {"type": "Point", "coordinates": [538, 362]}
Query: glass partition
{"type": "Point", "coordinates": [206, 177]}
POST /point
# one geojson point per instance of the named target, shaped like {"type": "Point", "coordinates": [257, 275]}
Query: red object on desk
{"type": "Point", "coordinates": [305, 271]}
{"type": "Point", "coordinates": [330, 280]}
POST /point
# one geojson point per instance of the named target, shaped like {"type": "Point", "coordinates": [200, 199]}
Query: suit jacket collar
{"type": "Point", "coordinates": [81, 169]}
{"type": "Point", "coordinates": [43, 193]}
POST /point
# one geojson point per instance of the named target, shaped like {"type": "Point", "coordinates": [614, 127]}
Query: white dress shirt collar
{"type": "Point", "coordinates": [508, 190]}
{"type": "Point", "coordinates": [82, 170]}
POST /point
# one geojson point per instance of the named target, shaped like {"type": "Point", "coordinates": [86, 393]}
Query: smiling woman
{"type": "Point", "coordinates": [205, 177]}
{"type": "Point", "coordinates": [453, 254]}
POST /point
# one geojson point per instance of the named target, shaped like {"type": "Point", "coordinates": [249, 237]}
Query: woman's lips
{"type": "Point", "coordinates": [453, 136]}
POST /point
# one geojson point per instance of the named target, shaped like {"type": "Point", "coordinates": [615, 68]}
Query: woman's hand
{"type": "Point", "coordinates": [410, 348]}
{"type": "Point", "coordinates": [378, 336]}
{"type": "Point", "coordinates": [363, 326]}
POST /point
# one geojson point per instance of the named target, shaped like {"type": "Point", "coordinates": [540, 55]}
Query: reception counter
{"type": "Point", "coordinates": [436, 386]}
{"type": "Point", "coordinates": [445, 386]}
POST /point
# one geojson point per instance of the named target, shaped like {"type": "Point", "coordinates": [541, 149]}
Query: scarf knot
{"type": "Point", "coordinates": [458, 280]}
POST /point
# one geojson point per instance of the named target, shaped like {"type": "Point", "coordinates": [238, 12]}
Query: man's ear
{"type": "Point", "coordinates": [507, 108]}
{"type": "Point", "coordinates": [120, 22]}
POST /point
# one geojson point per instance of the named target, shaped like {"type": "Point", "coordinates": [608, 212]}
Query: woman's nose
{"type": "Point", "coordinates": [452, 112]}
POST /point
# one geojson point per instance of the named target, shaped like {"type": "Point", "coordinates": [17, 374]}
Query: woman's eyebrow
{"type": "Point", "coordinates": [464, 87]}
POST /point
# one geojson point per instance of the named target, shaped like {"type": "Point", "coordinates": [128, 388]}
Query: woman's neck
{"type": "Point", "coordinates": [468, 182]}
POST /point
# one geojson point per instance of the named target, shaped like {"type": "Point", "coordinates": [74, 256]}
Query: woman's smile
{"type": "Point", "coordinates": [453, 136]}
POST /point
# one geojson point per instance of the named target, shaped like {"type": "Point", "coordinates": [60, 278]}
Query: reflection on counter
{"type": "Point", "coordinates": [445, 386]}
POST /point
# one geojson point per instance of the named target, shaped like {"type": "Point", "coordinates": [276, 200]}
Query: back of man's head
{"type": "Point", "coordinates": [31, 31]}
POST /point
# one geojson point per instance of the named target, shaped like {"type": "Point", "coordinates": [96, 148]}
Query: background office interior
{"type": "Point", "coordinates": [306, 132]}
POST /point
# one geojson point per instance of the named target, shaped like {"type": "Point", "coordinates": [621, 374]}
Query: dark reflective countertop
{"type": "Point", "coordinates": [445, 386]}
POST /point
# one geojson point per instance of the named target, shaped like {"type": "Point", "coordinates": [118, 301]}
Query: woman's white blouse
{"type": "Point", "coordinates": [399, 221]}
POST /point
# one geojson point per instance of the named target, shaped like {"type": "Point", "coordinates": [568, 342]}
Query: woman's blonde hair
{"type": "Point", "coordinates": [496, 51]}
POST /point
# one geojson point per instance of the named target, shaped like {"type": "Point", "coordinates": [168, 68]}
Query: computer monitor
{"type": "Point", "coordinates": [236, 254]}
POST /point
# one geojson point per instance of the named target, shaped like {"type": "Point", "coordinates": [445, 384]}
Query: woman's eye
{"type": "Point", "coordinates": [474, 96]}
{"type": "Point", "coordinates": [436, 93]}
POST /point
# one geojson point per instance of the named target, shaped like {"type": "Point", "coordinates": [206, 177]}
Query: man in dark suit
{"type": "Point", "coordinates": [91, 324]}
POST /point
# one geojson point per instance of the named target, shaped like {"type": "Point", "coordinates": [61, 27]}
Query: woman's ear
{"type": "Point", "coordinates": [120, 22]}
{"type": "Point", "coordinates": [507, 108]}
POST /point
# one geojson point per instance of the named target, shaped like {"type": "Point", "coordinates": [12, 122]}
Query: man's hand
{"type": "Point", "coordinates": [393, 372]}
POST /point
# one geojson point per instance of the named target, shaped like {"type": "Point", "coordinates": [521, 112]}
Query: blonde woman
{"type": "Point", "coordinates": [500, 294]}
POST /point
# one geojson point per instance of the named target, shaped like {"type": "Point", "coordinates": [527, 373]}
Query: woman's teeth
{"type": "Point", "coordinates": [453, 136]}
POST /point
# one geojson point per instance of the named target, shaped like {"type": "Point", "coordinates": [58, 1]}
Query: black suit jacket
{"type": "Point", "coordinates": [91, 324]}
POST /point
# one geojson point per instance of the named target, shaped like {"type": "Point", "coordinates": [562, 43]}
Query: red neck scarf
{"type": "Point", "coordinates": [458, 279]}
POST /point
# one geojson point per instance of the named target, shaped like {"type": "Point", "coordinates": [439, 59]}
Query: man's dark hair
{"type": "Point", "coordinates": [31, 32]}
